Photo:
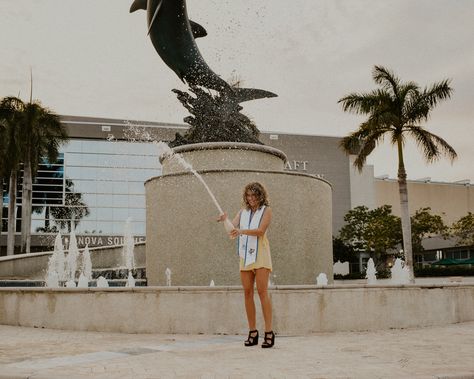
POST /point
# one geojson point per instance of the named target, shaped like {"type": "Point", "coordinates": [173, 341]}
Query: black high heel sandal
{"type": "Point", "coordinates": [269, 340]}
{"type": "Point", "coordinates": [252, 339]}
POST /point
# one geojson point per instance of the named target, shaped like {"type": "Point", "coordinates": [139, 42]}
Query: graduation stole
{"type": "Point", "coordinates": [248, 245]}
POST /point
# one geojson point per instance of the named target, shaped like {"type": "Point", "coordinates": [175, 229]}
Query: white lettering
{"type": "Point", "coordinates": [297, 166]}
{"type": "Point", "coordinates": [96, 240]}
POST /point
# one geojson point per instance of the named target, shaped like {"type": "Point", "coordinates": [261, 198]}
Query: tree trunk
{"type": "Point", "coordinates": [1, 212]}
{"type": "Point", "coordinates": [46, 219]}
{"type": "Point", "coordinates": [11, 214]}
{"type": "Point", "coordinates": [26, 200]}
{"type": "Point", "coordinates": [405, 213]}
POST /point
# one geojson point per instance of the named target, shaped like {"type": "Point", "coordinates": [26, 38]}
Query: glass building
{"type": "Point", "coordinates": [102, 186]}
{"type": "Point", "coordinates": [97, 183]}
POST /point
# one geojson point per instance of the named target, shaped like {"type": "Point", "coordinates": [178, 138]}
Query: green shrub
{"type": "Point", "coordinates": [351, 276]}
{"type": "Point", "coordinates": [382, 274]}
{"type": "Point", "coordinates": [445, 271]}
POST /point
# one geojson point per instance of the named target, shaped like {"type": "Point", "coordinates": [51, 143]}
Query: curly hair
{"type": "Point", "coordinates": [259, 191]}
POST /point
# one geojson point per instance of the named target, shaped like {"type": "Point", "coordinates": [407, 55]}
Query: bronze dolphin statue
{"type": "Point", "coordinates": [173, 37]}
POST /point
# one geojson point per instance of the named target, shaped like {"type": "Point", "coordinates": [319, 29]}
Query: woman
{"type": "Point", "coordinates": [251, 224]}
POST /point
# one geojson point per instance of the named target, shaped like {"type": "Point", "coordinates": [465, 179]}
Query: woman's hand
{"type": "Point", "coordinates": [222, 217]}
{"type": "Point", "coordinates": [235, 233]}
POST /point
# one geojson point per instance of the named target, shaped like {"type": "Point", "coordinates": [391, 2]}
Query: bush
{"type": "Point", "coordinates": [445, 271]}
{"type": "Point", "coordinates": [351, 276]}
{"type": "Point", "coordinates": [382, 274]}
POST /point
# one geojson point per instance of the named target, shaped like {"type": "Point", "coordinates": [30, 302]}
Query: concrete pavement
{"type": "Point", "coordinates": [432, 352]}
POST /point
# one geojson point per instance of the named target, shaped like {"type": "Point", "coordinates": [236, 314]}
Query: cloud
{"type": "Point", "coordinates": [94, 59]}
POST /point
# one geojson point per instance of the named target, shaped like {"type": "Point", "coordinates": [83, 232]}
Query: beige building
{"type": "Point", "coordinates": [450, 200]}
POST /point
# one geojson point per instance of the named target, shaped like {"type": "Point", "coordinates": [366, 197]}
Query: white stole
{"type": "Point", "coordinates": [248, 245]}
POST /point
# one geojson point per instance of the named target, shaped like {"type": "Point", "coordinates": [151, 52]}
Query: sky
{"type": "Point", "coordinates": [93, 58]}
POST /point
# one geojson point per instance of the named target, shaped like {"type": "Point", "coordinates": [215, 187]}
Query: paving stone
{"type": "Point", "coordinates": [435, 352]}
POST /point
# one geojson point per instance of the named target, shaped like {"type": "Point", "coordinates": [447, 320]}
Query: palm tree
{"type": "Point", "coordinates": [41, 134]}
{"type": "Point", "coordinates": [10, 154]}
{"type": "Point", "coordinates": [3, 173]}
{"type": "Point", "coordinates": [396, 110]}
{"type": "Point", "coordinates": [36, 132]}
{"type": "Point", "coordinates": [74, 209]}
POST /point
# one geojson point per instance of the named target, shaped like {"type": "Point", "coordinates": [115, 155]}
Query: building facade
{"type": "Point", "coordinates": [98, 181]}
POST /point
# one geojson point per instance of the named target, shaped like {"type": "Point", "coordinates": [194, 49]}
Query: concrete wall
{"type": "Point", "coordinates": [362, 185]}
{"type": "Point", "coordinates": [324, 157]}
{"type": "Point", "coordinates": [33, 266]}
{"type": "Point", "coordinates": [296, 309]}
{"type": "Point", "coordinates": [449, 200]}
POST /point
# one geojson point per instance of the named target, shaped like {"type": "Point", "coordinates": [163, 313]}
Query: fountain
{"type": "Point", "coordinates": [400, 273]}
{"type": "Point", "coordinates": [127, 252]}
{"type": "Point", "coordinates": [86, 263]}
{"type": "Point", "coordinates": [322, 279]}
{"type": "Point", "coordinates": [83, 282]}
{"type": "Point", "coordinates": [166, 151]}
{"type": "Point", "coordinates": [168, 277]}
{"type": "Point", "coordinates": [181, 234]}
{"type": "Point", "coordinates": [222, 150]}
{"type": "Point", "coordinates": [71, 261]}
{"type": "Point", "coordinates": [102, 282]}
{"type": "Point", "coordinates": [227, 168]}
{"type": "Point", "coordinates": [62, 271]}
{"type": "Point", "coordinates": [370, 272]}
{"type": "Point", "coordinates": [55, 271]}
{"type": "Point", "coordinates": [130, 280]}
{"type": "Point", "coordinates": [341, 268]}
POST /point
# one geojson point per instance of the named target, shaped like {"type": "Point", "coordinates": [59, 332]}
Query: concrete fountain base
{"type": "Point", "coordinates": [183, 235]}
{"type": "Point", "coordinates": [298, 310]}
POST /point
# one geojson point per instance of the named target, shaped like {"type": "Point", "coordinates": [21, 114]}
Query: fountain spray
{"type": "Point", "coordinates": [136, 133]}
{"type": "Point", "coordinates": [179, 158]}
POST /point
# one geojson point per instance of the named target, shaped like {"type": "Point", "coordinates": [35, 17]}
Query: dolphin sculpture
{"type": "Point", "coordinates": [173, 36]}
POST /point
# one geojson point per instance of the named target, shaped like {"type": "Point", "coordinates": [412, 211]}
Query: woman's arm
{"type": "Point", "coordinates": [235, 221]}
{"type": "Point", "coordinates": [266, 219]}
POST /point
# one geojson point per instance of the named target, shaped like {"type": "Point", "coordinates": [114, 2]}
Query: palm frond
{"type": "Point", "coordinates": [365, 103]}
{"type": "Point", "coordinates": [387, 79]}
{"type": "Point", "coordinates": [362, 142]}
{"type": "Point", "coordinates": [415, 110]}
{"type": "Point", "coordinates": [419, 105]}
{"type": "Point", "coordinates": [432, 145]}
{"type": "Point", "coordinates": [368, 145]}
{"type": "Point", "coordinates": [408, 91]}
{"type": "Point", "coordinates": [445, 147]}
{"type": "Point", "coordinates": [425, 142]}
{"type": "Point", "coordinates": [437, 92]}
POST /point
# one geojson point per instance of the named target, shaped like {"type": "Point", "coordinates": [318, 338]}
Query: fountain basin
{"type": "Point", "coordinates": [225, 156]}
{"type": "Point", "coordinates": [298, 310]}
{"type": "Point", "coordinates": [33, 266]}
{"type": "Point", "coordinates": [183, 235]}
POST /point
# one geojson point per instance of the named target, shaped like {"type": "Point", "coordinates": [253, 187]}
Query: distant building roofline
{"type": "Point", "coordinates": [427, 180]}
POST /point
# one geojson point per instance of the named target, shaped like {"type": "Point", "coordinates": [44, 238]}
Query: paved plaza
{"type": "Point", "coordinates": [434, 352]}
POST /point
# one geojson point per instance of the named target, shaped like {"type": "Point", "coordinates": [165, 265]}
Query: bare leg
{"type": "Point", "coordinates": [248, 280]}
{"type": "Point", "coordinates": [262, 275]}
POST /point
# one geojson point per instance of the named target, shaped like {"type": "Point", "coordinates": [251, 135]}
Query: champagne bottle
{"type": "Point", "coordinates": [228, 226]}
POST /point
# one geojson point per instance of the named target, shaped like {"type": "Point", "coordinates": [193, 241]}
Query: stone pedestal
{"type": "Point", "coordinates": [183, 235]}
